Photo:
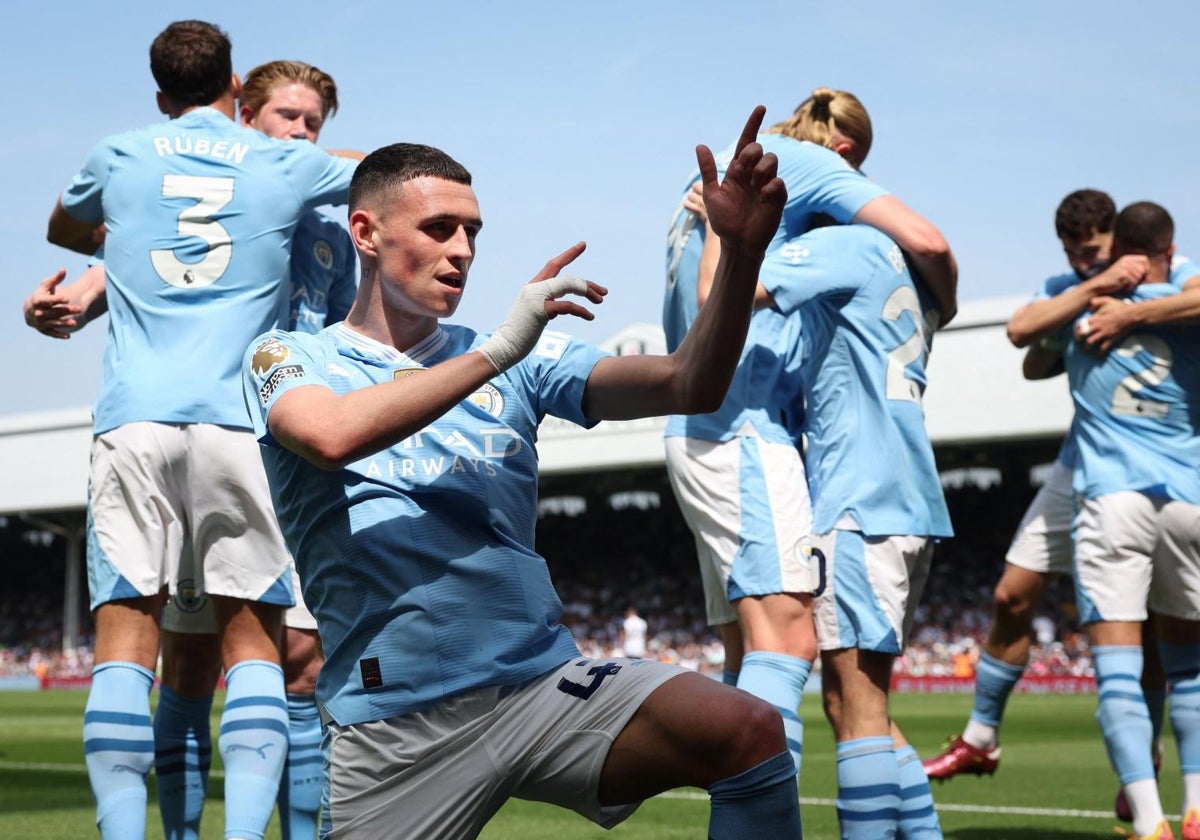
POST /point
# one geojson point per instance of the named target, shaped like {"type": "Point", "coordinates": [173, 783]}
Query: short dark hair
{"type": "Point", "coordinates": [1082, 212]}
{"type": "Point", "coordinates": [1144, 227]}
{"type": "Point", "coordinates": [392, 165]}
{"type": "Point", "coordinates": [192, 62]}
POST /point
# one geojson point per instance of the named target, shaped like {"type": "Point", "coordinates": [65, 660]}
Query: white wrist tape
{"type": "Point", "coordinates": [520, 331]}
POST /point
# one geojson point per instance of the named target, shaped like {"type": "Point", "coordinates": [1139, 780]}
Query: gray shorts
{"type": "Point", "coordinates": [444, 772]}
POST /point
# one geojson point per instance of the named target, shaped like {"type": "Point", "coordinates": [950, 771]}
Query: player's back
{"type": "Point", "coordinates": [200, 215]}
{"type": "Point", "coordinates": [867, 333]}
{"type": "Point", "coordinates": [1137, 409]}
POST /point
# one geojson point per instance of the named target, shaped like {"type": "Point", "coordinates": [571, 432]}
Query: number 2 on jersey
{"type": "Point", "coordinates": [211, 194]}
{"type": "Point", "coordinates": [899, 386]}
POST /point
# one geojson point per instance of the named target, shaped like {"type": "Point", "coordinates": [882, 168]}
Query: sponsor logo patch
{"type": "Point", "coordinates": [278, 375]}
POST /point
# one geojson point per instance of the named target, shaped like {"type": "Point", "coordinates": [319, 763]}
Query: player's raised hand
{"type": "Point", "coordinates": [744, 208]}
{"type": "Point", "coordinates": [50, 313]}
{"type": "Point", "coordinates": [540, 300]}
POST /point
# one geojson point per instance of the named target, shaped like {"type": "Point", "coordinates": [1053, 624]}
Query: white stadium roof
{"type": "Point", "coordinates": [976, 395]}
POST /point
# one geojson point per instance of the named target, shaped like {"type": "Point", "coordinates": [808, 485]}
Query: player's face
{"type": "Point", "coordinates": [294, 112]}
{"type": "Point", "coordinates": [425, 242]}
{"type": "Point", "coordinates": [1088, 256]}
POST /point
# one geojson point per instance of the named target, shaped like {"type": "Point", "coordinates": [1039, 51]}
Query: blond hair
{"type": "Point", "coordinates": [261, 82]}
{"type": "Point", "coordinates": [825, 115]}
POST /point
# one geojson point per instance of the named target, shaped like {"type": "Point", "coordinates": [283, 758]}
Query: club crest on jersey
{"type": "Point", "coordinates": [403, 373]}
{"type": "Point", "coordinates": [268, 354]}
{"type": "Point", "coordinates": [489, 399]}
{"type": "Point", "coordinates": [189, 599]}
{"type": "Point", "coordinates": [323, 253]}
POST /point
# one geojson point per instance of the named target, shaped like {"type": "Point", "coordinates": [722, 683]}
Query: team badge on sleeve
{"type": "Point", "coordinates": [489, 399]}
{"type": "Point", "coordinates": [323, 254]}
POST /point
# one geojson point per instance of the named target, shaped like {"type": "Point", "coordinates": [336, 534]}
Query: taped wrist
{"type": "Point", "coordinates": [520, 331]}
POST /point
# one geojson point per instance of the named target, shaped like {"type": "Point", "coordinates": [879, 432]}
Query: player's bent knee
{"type": "Point", "coordinates": [759, 736]}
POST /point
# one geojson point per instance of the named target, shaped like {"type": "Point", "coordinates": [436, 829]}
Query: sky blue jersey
{"type": "Point", "coordinates": [418, 561]}
{"type": "Point", "coordinates": [1182, 270]}
{"type": "Point", "coordinates": [818, 181]}
{"type": "Point", "coordinates": [200, 215]}
{"type": "Point", "coordinates": [867, 335]}
{"type": "Point", "coordinates": [324, 274]}
{"type": "Point", "coordinates": [1136, 410]}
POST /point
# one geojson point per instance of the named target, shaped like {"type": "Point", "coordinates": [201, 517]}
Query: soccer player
{"type": "Point", "coordinates": [1137, 477]}
{"type": "Point", "coordinates": [401, 456]}
{"type": "Point", "coordinates": [285, 100]}
{"type": "Point", "coordinates": [736, 473]}
{"type": "Point", "coordinates": [878, 507]}
{"type": "Point", "coordinates": [1042, 545]}
{"type": "Point", "coordinates": [633, 634]}
{"type": "Point", "coordinates": [199, 215]}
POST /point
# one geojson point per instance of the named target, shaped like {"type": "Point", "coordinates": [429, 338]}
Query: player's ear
{"type": "Point", "coordinates": [364, 231]}
{"type": "Point", "coordinates": [247, 114]}
{"type": "Point", "coordinates": [235, 86]}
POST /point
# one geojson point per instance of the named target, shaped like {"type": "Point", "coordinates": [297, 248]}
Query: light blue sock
{"type": "Point", "coordinates": [729, 677]}
{"type": "Point", "coordinates": [868, 800]}
{"type": "Point", "coordinates": [918, 819]}
{"type": "Point", "coordinates": [779, 679]}
{"type": "Point", "coordinates": [254, 732]}
{"type": "Point", "coordinates": [1124, 719]}
{"type": "Point", "coordinates": [1182, 664]}
{"type": "Point", "coordinates": [760, 802]}
{"type": "Point", "coordinates": [994, 681]}
{"type": "Point", "coordinates": [300, 790]}
{"type": "Point", "coordinates": [118, 746]}
{"type": "Point", "coordinates": [182, 756]}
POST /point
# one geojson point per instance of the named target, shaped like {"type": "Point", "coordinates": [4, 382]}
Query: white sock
{"type": "Point", "coordinates": [980, 735]}
{"type": "Point", "coordinates": [1191, 791]}
{"type": "Point", "coordinates": [1144, 802]}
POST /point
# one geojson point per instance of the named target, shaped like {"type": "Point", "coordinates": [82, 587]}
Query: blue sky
{"type": "Point", "coordinates": [578, 121]}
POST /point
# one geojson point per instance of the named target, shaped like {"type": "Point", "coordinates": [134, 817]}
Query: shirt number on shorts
{"type": "Point", "coordinates": [197, 221]}
{"type": "Point", "coordinates": [1126, 397]}
{"type": "Point", "coordinates": [597, 673]}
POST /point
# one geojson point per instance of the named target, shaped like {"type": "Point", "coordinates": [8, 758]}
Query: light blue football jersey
{"type": "Point", "coordinates": [765, 385]}
{"type": "Point", "coordinates": [418, 561]}
{"type": "Point", "coordinates": [1136, 410]}
{"type": "Point", "coordinates": [867, 334]}
{"type": "Point", "coordinates": [1182, 270]}
{"type": "Point", "coordinates": [200, 215]}
{"type": "Point", "coordinates": [324, 273]}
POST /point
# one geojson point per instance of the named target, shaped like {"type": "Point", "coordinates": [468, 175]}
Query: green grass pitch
{"type": "Point", "coordinates": [1054, 781]}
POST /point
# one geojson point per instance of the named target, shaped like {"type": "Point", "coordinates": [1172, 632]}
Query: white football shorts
{"type": "Point", "coordinates": [1134, 551]}
{"type": "Point", "coordinates": [191, 611]}
{"type": "Point", "coordinates": [1043, 540]}
{"type": "Point", "coordinates": [746, 503]}
{"type": "Point", "coordinates": [872, 588]}
{"type": "Point", "coordinates": [444, 772]}
{"type": "Point", "coordinates": [159, 491]}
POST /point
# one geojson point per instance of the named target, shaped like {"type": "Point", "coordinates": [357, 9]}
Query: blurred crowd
{"type": "Point", "coordinates": [641, 556]}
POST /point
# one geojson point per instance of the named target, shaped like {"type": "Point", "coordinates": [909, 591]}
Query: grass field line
{"type": "Point", "coordinates": [807, 801]}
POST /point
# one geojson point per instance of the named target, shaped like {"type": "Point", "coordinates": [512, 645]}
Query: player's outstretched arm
{"type": "Point", "coordinates": [922, 242]}
{"type": "Point", "coordinates": [1043, 318]}
{"type": "Point", "coordinates": [59, 311]}
{"type": "Point", "coordinates": [332, 430]}
{"type": "Point", "coordinates": [744, 211]}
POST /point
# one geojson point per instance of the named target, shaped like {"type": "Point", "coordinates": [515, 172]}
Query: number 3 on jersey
{"type": "Point", "coordinates": [211, 195]}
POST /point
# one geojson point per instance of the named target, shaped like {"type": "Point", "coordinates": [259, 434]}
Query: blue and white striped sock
{"type": "Point", "coordinates": [118, 746]}
{"type": "Point", "coordinates": [300, 790]}
{"type": "Point", "coordinates": [918, 819]}
{"type": "Point", "coordinates": [868, 800]}
{"type": "Point", "coordinates": [254, 743]}
{"type": "Point", "coordinates": [779, 679]}
{"type": "Point", "coordinates": [182, 757]}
